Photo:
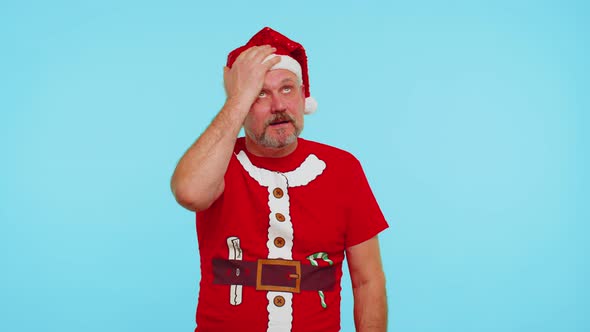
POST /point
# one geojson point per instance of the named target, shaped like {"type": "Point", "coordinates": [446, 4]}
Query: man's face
{"type": "Point", "coordinates": [276, 117]}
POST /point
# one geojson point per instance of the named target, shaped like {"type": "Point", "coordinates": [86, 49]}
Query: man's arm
{"type": "Point", "coordinates": [368, 286]}
{"type": "Point", "coordinates": [198, 178]}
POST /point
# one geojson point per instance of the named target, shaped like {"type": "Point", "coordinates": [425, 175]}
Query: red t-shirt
{"type": "Point", "coordinates": [303, 211]}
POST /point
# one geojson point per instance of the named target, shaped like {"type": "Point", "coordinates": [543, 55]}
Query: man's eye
{"type": "Point", "coordinates": [287, 89]}
{"type": "Point", "coordinates": [262, 94]}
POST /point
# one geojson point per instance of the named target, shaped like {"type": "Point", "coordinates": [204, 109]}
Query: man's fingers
{"type": "Point", "coordinates": [272, 61]}
{"type": "Point", "coordinates": [255, 53]}
{"type": "Point", "coordinates": [247, 74]}
{"type": "Point", "coordinates": [264, 53]}
{"type": "Point", "coordinates": [260, 51]}
{"type": "Point", "coordinates": [247, 54]}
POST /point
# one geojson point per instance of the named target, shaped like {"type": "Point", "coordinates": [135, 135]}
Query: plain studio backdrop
{"type": "Point", "coordinates": [469, 117]}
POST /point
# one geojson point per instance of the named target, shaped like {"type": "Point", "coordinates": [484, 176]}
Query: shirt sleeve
{"type": "Point", "coordinates": [365, 219]}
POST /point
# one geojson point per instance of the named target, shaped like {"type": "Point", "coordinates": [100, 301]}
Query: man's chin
{"type": "Point", "coordinates": [277, 142]}
{"type": "Point", "coordinates": [281, 143]}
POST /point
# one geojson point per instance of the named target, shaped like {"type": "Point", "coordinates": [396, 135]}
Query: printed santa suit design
{"type": "Point", "coordinates": [272, 245]}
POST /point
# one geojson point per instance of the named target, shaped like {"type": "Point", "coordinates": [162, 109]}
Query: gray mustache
{"type": "Point", "coordinates": [279, 118]}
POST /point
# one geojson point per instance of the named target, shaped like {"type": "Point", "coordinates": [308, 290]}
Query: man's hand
{"type": "Point", "coordinates": [245, 79]}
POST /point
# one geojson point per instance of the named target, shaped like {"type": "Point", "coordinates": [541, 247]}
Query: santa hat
{"type": "Point", "coordinates": [292, 55]}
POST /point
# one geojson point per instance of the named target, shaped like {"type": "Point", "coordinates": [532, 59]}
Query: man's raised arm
{"type": "Point", "coordinates": [198, 178]}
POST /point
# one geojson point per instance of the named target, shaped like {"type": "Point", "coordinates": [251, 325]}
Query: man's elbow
{"type": "Point", "coordinates": [189, 203]}
{"type": "Point", "coordinates": [191, 199]}
{"type": "Point", "coordinates": [373, 280]}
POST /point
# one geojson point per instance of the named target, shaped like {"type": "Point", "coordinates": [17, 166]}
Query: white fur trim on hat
{"type": "Point", "coordinates": [310, 105]}
{"type": "Point", "coordinates": [288, 63]}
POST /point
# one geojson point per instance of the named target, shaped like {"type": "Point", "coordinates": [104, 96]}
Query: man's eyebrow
{"type": "Point", "coordinates": [287, 80]}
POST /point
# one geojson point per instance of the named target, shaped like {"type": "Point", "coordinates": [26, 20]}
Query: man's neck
{"type": "Point", "coordinates": [263, 151]}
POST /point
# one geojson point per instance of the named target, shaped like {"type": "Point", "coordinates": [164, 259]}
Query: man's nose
{"type": "Point", "coordinates": [278, 103]}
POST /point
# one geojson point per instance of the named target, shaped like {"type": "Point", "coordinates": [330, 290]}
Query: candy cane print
{"type": "Point", "coordinates": [312, 258]}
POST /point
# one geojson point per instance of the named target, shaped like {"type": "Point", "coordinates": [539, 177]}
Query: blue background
{"type": "Point", "coordinates": [470, 118]}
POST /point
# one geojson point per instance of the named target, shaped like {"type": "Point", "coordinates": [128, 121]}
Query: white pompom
{"type": "Point", "coordinates": [310, 105]}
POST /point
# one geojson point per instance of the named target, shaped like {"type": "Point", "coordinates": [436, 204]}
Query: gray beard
{"type": "Point", "coordinates": [271, 142]}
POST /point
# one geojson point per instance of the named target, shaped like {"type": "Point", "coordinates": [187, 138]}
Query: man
{"type": "Point", "coordinates": [277, 213]}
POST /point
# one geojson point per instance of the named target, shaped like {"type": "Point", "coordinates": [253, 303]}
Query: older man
{"type": "Point", "coordinates": [276, 214]}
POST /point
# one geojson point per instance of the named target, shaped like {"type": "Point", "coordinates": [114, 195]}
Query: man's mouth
{"type": "Point", "coordinates": [276, 123]}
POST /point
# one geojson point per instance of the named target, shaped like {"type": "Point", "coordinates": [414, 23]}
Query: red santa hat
{"type": "Point", "coordinates": [292, 55]}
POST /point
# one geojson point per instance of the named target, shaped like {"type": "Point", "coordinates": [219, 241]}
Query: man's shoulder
{"type": "Point", "coordinates": [328, 151]}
